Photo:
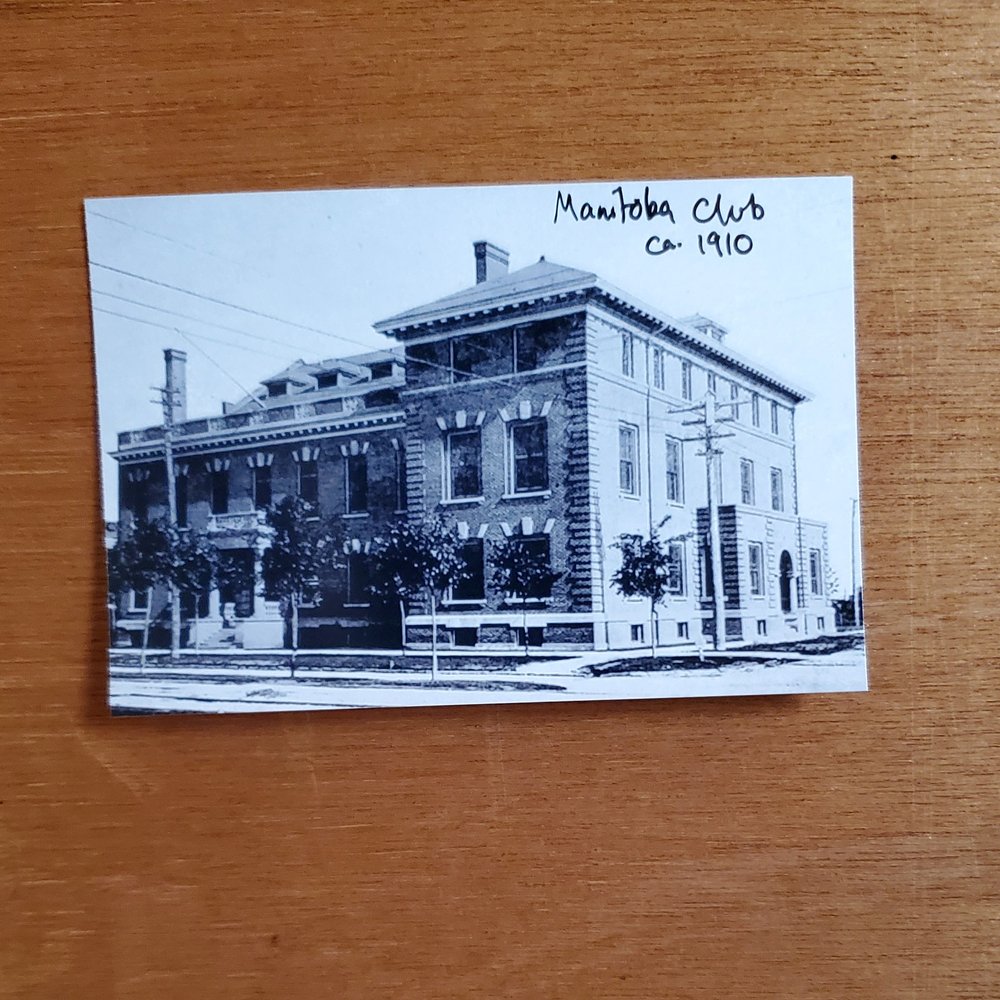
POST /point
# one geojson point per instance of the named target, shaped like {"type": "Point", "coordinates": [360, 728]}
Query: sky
{"type": "Point", "coordinates": [323, 266]}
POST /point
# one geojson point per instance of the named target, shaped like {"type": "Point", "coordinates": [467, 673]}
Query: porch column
{"type": "Point", "coordinates": [258, 584]}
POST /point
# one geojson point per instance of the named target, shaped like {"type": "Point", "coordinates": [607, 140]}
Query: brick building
{"type": "Point", "coordinates": [542, 405]}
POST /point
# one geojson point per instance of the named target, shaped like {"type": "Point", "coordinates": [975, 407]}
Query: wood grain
{"type": "Point", "coordinates": [815, 847]}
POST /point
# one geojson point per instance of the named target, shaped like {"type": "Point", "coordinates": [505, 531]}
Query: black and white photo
{"type": "Point", "coordinates": [430, 446]}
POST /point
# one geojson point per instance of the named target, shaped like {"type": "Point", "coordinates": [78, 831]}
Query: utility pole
{"type": "Point", "coordinates": [708, 424]}
{"type": "Point", "coordinates": [168, 396]}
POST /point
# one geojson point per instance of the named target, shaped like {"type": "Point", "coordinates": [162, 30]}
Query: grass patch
{"type": "Point", "coordinates": [822, 645]}
{"type": "Point", "coordinates": [332, 662]}
{"type": "Point", "coordinates": [665, 664]}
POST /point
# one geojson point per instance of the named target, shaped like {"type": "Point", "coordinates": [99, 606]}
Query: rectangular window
{"type": "Point", "coordinates": [746, 481]}
{"type": "Point", "coordinates": [535, 550]}
{"type": "Point", "coordinates": [815, 572]}
{"type": "Point", "coordinates": [399, 470]}
{"type": "Point", "coordinates": [628, 459]}
{"type": "Point", "coordinates": [711, 382]}
{"type": "Point", "coordinates": [262, 487]}
{"type": "Point", "coordinates": [220, 491]}
{"type": "Point", "coordinates": [686, 379]}
{"type": "Point", "coordinates": [357, 483]}
{"type": "Point", "coordinates": [308, 482]}
{"type": "Point", "coordinates": [675, 474]}
{"type": "Point", "coordinates": [755, 409]}
{"type": "Point", "coordinates": [638, 633]}
{"type": "Point", "coordinates": [473, 586]}
{"type": "Point", "coordinates": [734, 394]}
{"type": "Point", "coordinates": [533, 346]}
{"type": "Point", "coordinates": [820, 623]}
{"type": "Point", "coordinates": [139, 600]}
{"type": "Point", "coordinates": [676, 582]}
{"type": "Point", "coordinates": [139, 501]}
{"type": "Point", "coordinates": [682, 630]}
{"type": "Point", "coordinates": [707, 581]}
{"type": "Point", "coordinates": [463, 464]}
{"type": "Point", "coordinates": [357, 578]}
{"type": "Point", "coordinates": [761, 626]}
{"type": "Point", "coordinates": [628, 355]}
{"type": "Point", "coordinates": [777, 490]}
{"type": "Point", "coordinates": [756, 558]}
{"type": "Point", "coordinates": [774, 418]}
{"type": "Point", "coordinates": [482, 355]}
{"type": "Point", "coordinates": [529, 456]}
{"type": "Point", "coordinates": [658, 372]}
{"type": "Point", "coordinates": [181, 499]}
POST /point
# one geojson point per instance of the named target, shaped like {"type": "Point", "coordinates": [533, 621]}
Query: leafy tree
{"type": "Point", "coordinates": [140, 560]}
{"type": "Point", "coordinates": [195, 568]}
{"type": "Point", "coordinates": [523, 572]}
{"type": "Point", "coordinates": [415, 560]}
{"type": "Point", "coordinates": [646, 571]}
{"type": "Point", "coordinates": [300, 549]}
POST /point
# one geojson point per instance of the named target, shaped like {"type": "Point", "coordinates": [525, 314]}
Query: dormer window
{"type": "Point", "coordinates": [328, 380]}
{"type": "Point", "coordinates": [275, 389]}
{"type": "Point", "coordinates": [382, 369]}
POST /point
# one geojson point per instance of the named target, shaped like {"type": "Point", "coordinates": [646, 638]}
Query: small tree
{"type": "Point", "coordinates": [522, 572]}
{"type": "Point", "coordinates": [196, 567]}
{"type": "Point", "coordinates": [646, 571]}
{"type": "Point", "coordinates": [413, 560]}
{"type": "Point", "coordinates": [140, 560]}
{"type": "Point", "coordinates": [300, 550]}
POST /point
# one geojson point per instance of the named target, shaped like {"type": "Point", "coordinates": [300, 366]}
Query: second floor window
{"type": "Point", "coordinates": [220, 491]}
{"type": "Point", "coordinates": [746, 482]}
{"type": "Point", "coordinates": [755, 409]}
{"type": "Point", "coordinates": [711, 381]}
{"type": "Point", "coordinates": [529, 456]}
{"type": "Point", "coordinates": [181, 499]}
{"type": "Point", "coordinates": [774, 418]}
{"type": "Point", "coordinates": [628, 355]}
{"type": "Point", "coordinates": [357, 483]}
{"type": "Point", "coordinates": [262, 487]}
{"type": "Point", "coordinates": [815, 572]}
{"type": "Point", "coordinates": [628, 459]}
{"type": "Point", "coordinates": [777, 490]}
{"type": "Point", "coordinates": [139, 497]}
{"type": "Point", "coordinates": [472, 587]}
{"type": "Point", "coordinates": [686, 379]}
{"type": "Point", "coordinates": [308, 482]}
{"type": "Point", "coordinates": [463, 455]}
{"type": "Point", "coordinates": [675, 480]}
{"type": "Point", "coordinates": [734, 395]}
{"type": "Point", "coordinates": [676, 583]}
{"type": "Point", "coordinates": [755, 554]}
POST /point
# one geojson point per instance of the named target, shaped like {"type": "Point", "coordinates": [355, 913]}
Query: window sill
{"type": "Point", "coordinates": [527, 495]}
{"type": "Point", "coordinates": [629, 496]}
{"type": "Point", "coordinates": [354, 515]}
{"type": "Point", "coordinates": [477, 602]}
{"type": "Point", "coordinates": [458, 501]}
{"type": "Point", "coordinates": [357, 605]}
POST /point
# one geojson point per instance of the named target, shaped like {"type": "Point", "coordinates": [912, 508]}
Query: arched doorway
{"type": "Point", "coordinates": [785, 575]}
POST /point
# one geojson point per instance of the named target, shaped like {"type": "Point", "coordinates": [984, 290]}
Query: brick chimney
{"type": "Point", "coordinates": [176, 382]}
{"type": "Point", "coordinates": [491, 261]}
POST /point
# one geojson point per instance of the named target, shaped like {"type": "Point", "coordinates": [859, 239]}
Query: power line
{"type": "Point", "coordinates": [239, 385]}
{"type": "Point", "coordinates": [168, 239]}
{"type": "Point", "coordinates": [201, 336]}
{"type": "Point", "coordinates": [193, 319]}
{"type": "Point", "coordinates": [211, 298]}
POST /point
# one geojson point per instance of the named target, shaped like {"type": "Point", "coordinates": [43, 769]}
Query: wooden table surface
{"type": "Point", "coordinates": [828, 846]}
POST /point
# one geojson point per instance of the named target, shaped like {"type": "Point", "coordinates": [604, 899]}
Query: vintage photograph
{"type": "Point", "coordinates": [432, 446]}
